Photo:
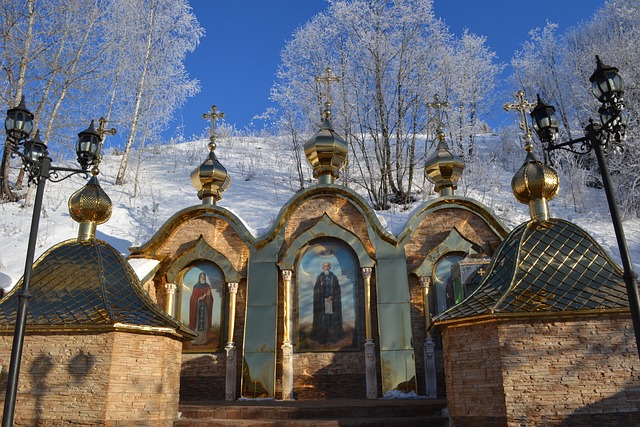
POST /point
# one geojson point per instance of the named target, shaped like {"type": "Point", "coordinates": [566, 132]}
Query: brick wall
{"type": "Point", "coordinates": [577, 371]}
{"type": "Point", "coordinates": [435, 228]}
{"type": "Point", "coordinates": [340, 210]}
{"type": "Point", "coordinates": [203, 377]}
{"type": "Point", "coordinates": [329, 375]}
{"type": "Point", "coordinates": [102, 379]}
{"type": "Point", "coordinates": [218, 234]}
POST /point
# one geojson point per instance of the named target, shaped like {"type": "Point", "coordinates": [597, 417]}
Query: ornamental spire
{"type": "Point", "coordinates": [91, 205]}
{"type": "Point", "coordinates": [326, 151]}
{"type": "Point", "coordinates": [534, 183]}
{"type": "Point", "coordinates": [211, 178]}
{"type": "Point", "coordinates": [443, 168]}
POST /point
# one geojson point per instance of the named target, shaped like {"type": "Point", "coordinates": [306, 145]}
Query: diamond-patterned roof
{"type": "Point", "coordinates": [86, 283]}
{"type": "Point", "coordinates": [546, 266]}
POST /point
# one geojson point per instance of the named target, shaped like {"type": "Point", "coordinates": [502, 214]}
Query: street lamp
{"type": "Point", "coordinates": [608, 87]}
{"type": "Point", "coordinates": [37, 165]}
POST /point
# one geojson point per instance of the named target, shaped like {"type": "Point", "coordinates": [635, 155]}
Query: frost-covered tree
{"type": "Point", "coordinates": [75, 60]}
{"type": "Point", "coordinates": [51, 54]}
{"type": "Point", "coordinates": [471, 75]}
{"type": "Point", "coordinates": [390, 57]}
{"type": "Point", "coordinates": [559, 66]}
{"type": "Point", "coordinates": [153, 40]}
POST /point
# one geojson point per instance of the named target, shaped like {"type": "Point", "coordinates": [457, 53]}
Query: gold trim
{"type": "Point", "coordinates": [502, 317]}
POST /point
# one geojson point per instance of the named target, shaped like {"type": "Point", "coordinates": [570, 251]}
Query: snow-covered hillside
{"type": "Point", "coordinates": [263, 179]}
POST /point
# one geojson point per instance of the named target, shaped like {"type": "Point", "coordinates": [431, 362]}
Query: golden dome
{"type": "Point", "coordinates": [443, 168]}
{"type": "Point", "coordinates": [326, 151]}
{"type": "Point", "coordinates": [90, 206]}
{"type": "Point", "coordinates": [535, 184]}
{"type": "Point", "coordinates": [211, 179]}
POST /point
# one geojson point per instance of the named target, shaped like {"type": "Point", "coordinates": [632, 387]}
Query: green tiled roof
{"type": "Point", "coordinates": [545, 266]}
{"type": "Point", "coordinates": [83, 283]}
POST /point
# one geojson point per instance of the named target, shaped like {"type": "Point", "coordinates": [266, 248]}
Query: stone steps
{"type": "Point", "coordinates": [335, 412]}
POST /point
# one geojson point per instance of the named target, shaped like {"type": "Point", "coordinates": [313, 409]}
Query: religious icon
{"type": "Point", "coordinates": [327, 298]}
{"type": "Point", "coordinates": [201, 306]}
{"type": "Point", "coordinates": [327, 307]}
{"type": "Point", "coordinates": [201, 309]}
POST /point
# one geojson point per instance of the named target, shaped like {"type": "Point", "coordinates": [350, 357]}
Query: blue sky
{"type": "Point", "coordinates": [239, 55]}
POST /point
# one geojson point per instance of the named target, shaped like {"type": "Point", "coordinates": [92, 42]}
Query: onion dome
{"type": "Point", "coordinates": [326, 151]}
{"type": "Point", "coordinates": [88, 285]}
{"type": "Point", "coordinates": [211, 179]}
{"type": "Point", "coordinates": [550, 266]}
{"type": "Point", "coordinates": [535, 184]}
{"type": "Point", "coordinates": [90, 206]}
{"type": "Point", "coordinates": [443, 168]}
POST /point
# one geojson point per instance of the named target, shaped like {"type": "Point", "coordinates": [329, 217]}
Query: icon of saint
{"type": "Point", "coordinates": [327, 308]}
{"type": "Point", "coordinates": [201, 309]}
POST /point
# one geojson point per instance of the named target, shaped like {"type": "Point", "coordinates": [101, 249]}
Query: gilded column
{"type": "Point", "coordinates": [429, 345]}
{"type": "Point", "coordinates": [369, 345]}
{"type": "Point", "coordinates": [231, 368]}
{"type": "Point", "coordinates": [170, 307]}
{"type": "Point", "coordinates": [287, 347]}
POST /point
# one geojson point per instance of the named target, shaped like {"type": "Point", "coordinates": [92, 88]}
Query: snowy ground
{"type": "Point", "coordinates": [263, 179]}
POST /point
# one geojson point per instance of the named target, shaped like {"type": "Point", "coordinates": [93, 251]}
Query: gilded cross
{"type": "Point", "coordinates": [213, 115]}
{"type": "Point", "coordinates": [439, 106]}
{"type": "Point", "coordinates": [328, 79]}
{"type": "Point", "coordinates": [102, 129]}
{"type": "Point", "coordinates": [481, 272]}
{"type": "Point", "coordinates": [523, 107]}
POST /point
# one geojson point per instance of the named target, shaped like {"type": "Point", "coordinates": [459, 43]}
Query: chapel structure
{"type": "Point", "coordinates": [522, 327]}
{"type": "Point", "coordinates": [326, 290]}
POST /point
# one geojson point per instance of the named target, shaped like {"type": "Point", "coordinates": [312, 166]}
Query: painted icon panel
{"type": "Point", "coordinates": [327, 298]}
{"type": "Point", "coordinates": [201, 308]}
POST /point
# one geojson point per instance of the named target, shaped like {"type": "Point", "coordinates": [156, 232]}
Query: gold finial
{"type": "Point", "coordinates": [443, 168]}
{"type": "Point", "coordinates": [534, 183]}
{"type": "Point", "coordinates": [328, 79]}
{"type": "Point", "coordinates": [439, 107]}
{"type": "Point", "coordinates": [523, 107]}
{"type": "Point", "coordinates": [90, 206]}
{"type": "Point", "coordinates": [214, 115]}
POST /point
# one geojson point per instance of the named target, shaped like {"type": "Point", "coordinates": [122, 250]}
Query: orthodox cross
{"type": "Point", "coordinates": [213, 115]}
{"type": "Point", "coordinates": [102, 128]}
{"type": "Point", "coordinates": [102, 131]}
{"type": "Point", "coordinates": [439, 106]}
{"type": "Point", "coordinates": [328, 79]}
{"type": "Point", "coordinates": [523, 107]}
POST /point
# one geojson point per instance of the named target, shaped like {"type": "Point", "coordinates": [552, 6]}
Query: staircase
{"type": "Point", "coordinates": [335, 412]}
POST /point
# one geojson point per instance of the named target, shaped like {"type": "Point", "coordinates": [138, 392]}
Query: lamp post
{"type": "Point", "coordinates": [37, 164]}
{"type": "Point", "coordinates": [608, 87]}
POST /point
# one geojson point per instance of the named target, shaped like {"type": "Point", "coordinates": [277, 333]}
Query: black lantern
{"type": "Point", "coordinates": [19, 122]}
{"type": "Point", "coordinates": [35, 148]}
{"type": "Point", "coordinates": [606, 83]}
{"type": "Point", "coordinates": [545, 121]}
{"type": "Point", "coordinates": [88, 146]}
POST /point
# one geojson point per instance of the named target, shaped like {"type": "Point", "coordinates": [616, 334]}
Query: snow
{"type": "Point", "coordinates": [263, 180]}
{"type": "Point", "coordinates": [142, 266]}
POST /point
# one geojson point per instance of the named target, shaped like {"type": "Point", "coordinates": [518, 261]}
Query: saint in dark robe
{"type": "Point", "coordinates": [201, 310]}
{"type": "Point", "coordinates": [327, 308]}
